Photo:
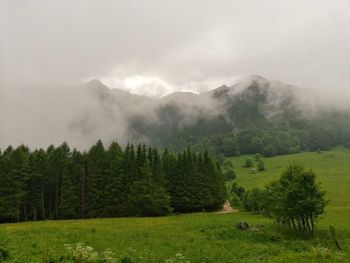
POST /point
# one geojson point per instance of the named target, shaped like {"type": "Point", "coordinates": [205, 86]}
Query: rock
{"type": "Point", "coordinates": [259, 226]}
{"type": "Point", "coordinates": [242, 225]}
{"type": "Point", "coordinates": [253, 170]}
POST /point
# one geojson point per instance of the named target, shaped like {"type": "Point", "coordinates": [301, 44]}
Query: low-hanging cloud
{"type": "Point", "coordinates": [156, 47]}
{"type": "Point", "coordinates": [180, 42]}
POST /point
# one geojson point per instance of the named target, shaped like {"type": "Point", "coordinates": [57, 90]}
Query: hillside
{"type": "Point", "coordinates": [253, 115]}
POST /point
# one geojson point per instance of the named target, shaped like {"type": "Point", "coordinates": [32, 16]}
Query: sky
{"type": "Point", "coordinates": [156, 47]}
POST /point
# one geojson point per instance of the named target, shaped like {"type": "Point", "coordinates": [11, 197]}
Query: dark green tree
{"type": "Point", "coordinates": [97, 171]}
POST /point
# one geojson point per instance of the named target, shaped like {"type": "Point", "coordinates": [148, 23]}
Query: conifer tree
{"type": "Point", "coordinates": [60, 184]}
{"type": "Point", "coordinates": [36, 185]}
{"type": "Point", "coordinates": [97, 172]}
{"type": "Point", "coordinates": [15, 174]}
{"type": "Point", "coordinates": [114, 181]}
{"type": "Point", "coordinates": [69, 204]}
{"type": "Point", "coordinates": [58, 160]}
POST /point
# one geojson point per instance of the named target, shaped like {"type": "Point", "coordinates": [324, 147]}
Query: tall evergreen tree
{"type": "Point", "coordinates": [15, 174]}
{"type": "Point", "coordinates": [37, 184]}
{"type": "Point", "coordinates": [70, 193]}
{"type": "Point", "coordinates": [58, 160]}
{"type": "Point", "coordinates": [97, 172]}
{"type": "Point", "coordinates": [114, 181]}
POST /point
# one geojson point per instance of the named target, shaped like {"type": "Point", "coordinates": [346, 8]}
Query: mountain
{"type": "Point", "coordinates": [253, 115]}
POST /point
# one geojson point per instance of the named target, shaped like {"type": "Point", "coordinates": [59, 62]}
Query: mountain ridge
{"type": "Point", "coordinates": [277, 116]}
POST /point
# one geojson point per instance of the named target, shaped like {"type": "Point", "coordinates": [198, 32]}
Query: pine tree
{"type": "Point", "coordinates": [58, 160]}
{"type": "Point", "coordinates": [203, 186]}
{"type": "Point", "coordinates": [97, 172]}
{"type": "Point", "coordinates": [69, 205]}
{"type": "Point", "coordinates": [50, 180]}
{"type": "Point", "coordinates": [58, 183]}
{"type": "Point", "coordinates": [148, 198]}
{"type": "Point", "coordinates": [128, 175]}
{"type": "Point", "coordinates": [114, 182]}
{"type": "Point", "coordinates": [36, 185]}
{"type": "Point", "coordinates": [156, 166]}
{"type": "Point", "coordinates": [15, 174]}
{"type": "Point", "coordinates": [180, 197]}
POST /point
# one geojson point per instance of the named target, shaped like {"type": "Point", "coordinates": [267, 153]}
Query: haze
{"type": "Point", "coordinates": [49, 49]}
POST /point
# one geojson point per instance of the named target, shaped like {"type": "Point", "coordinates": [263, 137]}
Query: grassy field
{"type": "Point", "coordinates": [202, 237]}
{"type": "Point", "coordinates": [331, 167]}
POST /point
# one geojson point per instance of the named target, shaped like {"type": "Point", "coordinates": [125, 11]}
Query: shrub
{"type": "Point", "coordinates": [257, 157]}
{"type": "Point", "coordinates": [269, 151]}
{"type": "Point", "coordinates": [230, 175]}
{"type": "Point", "coordinates": [228, 164]}
{"type": "Point", "coordinates": [238, 190]}
{"type": "Point", "coordinates": [253, 200]}
{"type": "Point", "coordinates": [248, 163]}
{"type": "Point", "coordinates": [261, 165]}
{"type": "Point", "coordinates": [234, 199]}
{"type": "Point", "coordinates": [294, 149]}
{"type": "Point", "coordinates": [4, 248]}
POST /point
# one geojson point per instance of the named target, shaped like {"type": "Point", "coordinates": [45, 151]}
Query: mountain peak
{"type": "Point", "coordinates": [95, 83]}
{"type": "Point", "coordinates": [256, 78]}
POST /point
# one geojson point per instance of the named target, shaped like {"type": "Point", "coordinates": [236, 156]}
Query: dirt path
{"type": "Point", "coordinates": [227, 209]}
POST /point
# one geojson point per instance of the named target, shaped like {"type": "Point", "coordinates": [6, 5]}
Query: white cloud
{"type": "Point", "coordinates": [174, 45]}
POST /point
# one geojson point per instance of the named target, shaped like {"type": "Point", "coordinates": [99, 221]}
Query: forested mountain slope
{"type": "Point", "coordinates": [254, 115]}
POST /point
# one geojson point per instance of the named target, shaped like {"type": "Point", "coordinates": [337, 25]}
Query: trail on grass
{"type": "Point", "coordinates": [227, 209]}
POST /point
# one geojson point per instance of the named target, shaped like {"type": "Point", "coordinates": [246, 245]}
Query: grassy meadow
{"type": "Point", "coordinates": [202, 237]}
{"type": "Point", "coordinates": [331, 167]}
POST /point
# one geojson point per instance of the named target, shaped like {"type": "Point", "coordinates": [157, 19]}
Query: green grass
{"type": "Point", "coordinates": [205, 237]}
{"type": "Point", "coordinates": [331, 167]}
{"type": "Point", "coordinates": [199, 237]}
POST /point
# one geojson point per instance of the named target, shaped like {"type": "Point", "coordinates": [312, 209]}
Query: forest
{"type": "Point", "coordinates": [59, 183]}
{"type": "Point", "coordinates": [249, 124]}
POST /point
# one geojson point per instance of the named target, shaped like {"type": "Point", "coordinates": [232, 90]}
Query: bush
{"type": "Point", "coordinates": [228, 164]}
{"type": "Point", "coordinates": [253, 200]}
{"type": "Point", "coordinates": [258, 157]}
{"type": "Point", "coordinates": [261, 165]}
{"type": "Point", "coordinates": [238, 190]}
{"type": "Point", "coordinates": [4, 249]}
{"type": "Point", "coordinates": [269, 151]}
{"type": "Point", "coordinates": [294, 149]}
{"type": "Point", "coordinates": [248, 163]}
{"type": "Point", "coordinates": [235, 200]}
{"type": "Point", "coordinates": [230, 175]}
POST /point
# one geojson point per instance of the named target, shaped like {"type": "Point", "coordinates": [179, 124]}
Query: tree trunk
{"type": "Point", "coordinates": [25, 210]}
{"type": "Point", "coordinates": [56, 201]}
{"type": "Point", "coordinates": [294, 226]}
{"type": "Point", "coordinates": [42, 202]}
{"type": "Point", "coordinates": [83, 194]}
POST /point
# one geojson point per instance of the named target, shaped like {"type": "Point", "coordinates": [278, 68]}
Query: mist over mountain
{"type": "Point", "coordinates": [83, 114]}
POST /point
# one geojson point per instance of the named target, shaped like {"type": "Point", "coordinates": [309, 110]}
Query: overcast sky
{"type": "Point", "coordinates": [158, 46]}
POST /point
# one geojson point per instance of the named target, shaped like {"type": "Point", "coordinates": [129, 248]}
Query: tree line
{"type": "Point", "coordinates": [59, 183]}
{"type": "Point", "coordinates": [247, 124]}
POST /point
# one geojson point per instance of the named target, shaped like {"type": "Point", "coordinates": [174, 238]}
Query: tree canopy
{"type": "Point", "coordinates": [295, 200]}
{"type": "Point", "coordinates": [60, 183]}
